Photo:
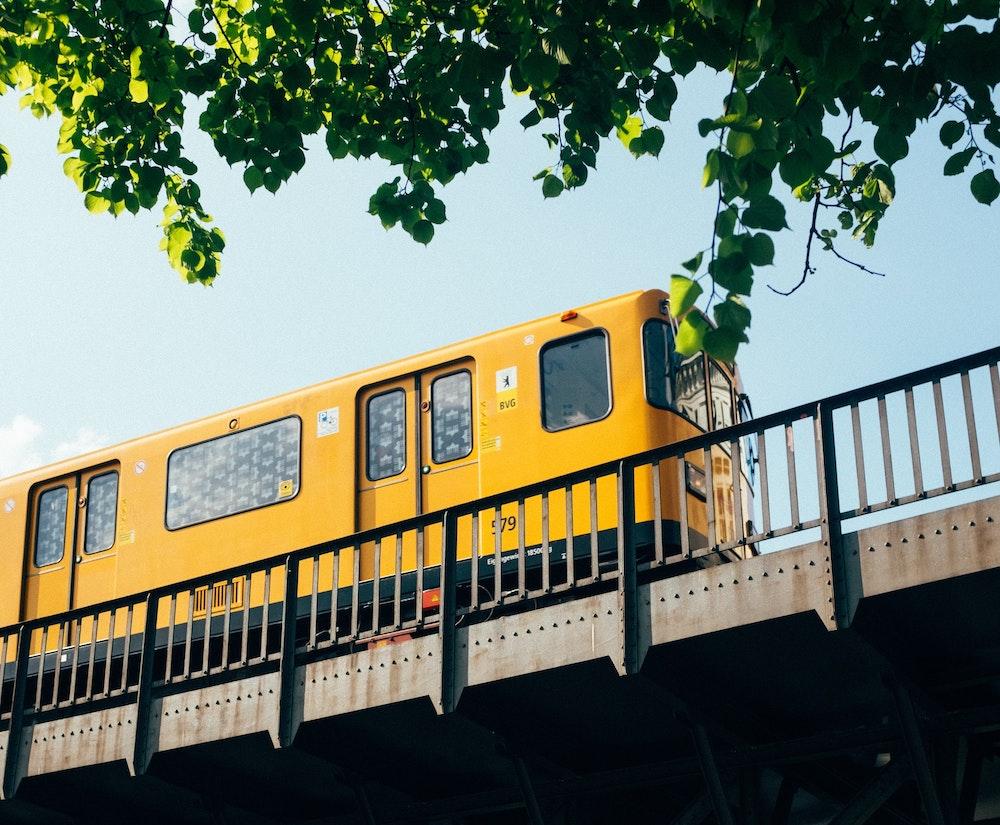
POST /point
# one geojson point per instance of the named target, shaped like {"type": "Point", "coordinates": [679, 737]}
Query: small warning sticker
{"type": "Point", "coordinates": [490, 445]}
{"type": "Point", "coordinates": [328, 422]}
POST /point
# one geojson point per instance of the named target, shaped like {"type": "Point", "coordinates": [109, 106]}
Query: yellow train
{"type": "Point", "coordinates": [480, 417]}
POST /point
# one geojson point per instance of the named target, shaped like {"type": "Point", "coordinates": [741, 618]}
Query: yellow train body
{"type": "Point", "coordinates": [419, 435]}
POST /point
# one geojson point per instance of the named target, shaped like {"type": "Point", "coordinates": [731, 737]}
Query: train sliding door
{"type": "Point", "coordinates": [416, 452]}
{"type": "Point", "coordinates": [71, 555]}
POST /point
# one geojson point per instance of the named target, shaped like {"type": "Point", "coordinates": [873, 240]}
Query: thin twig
{"type": "Point", "coordinates": [807, 268]}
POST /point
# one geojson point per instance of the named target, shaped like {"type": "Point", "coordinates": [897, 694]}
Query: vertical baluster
{"type": "Point", "coordinates": [570, 544]}
{"type": "Point", "coordinates": [765, 500]}
{"type": "Point", "coordinates": [91, 657]}
{"type": "Point", "coordinates": [314, 603]}
{"type": "Point", "coordinates": [41, 668]}
{"type": "Point", "coordinates": [995, 384]}
{"type": "Point", "coordinates": [58, 664]}
{"type": "Point", "coordinates": [226, 619]}
{"type": "Point", "coordinates": [169, 666]}
{"type": "Point", "coordinates": [595, 564]}
{"type": "Point", "coordinates": [188, 636]}
{"type": "Point", "coordinates": [377, 586]}
{"type": "Point", "coordinates": [682, 500]}
{"type": "Point", "coordinates": [859, 458]}
{"type": "Point", "coordinates": [77, 627]}
{"type": "Point", "coordinates": [883, 424]}
{"type": "Point", "coordinates": [245, 634]}
{"type": "Point", "coordinates": [942, 430]}
{"type": "Point", "coordinates": [546, 572]}
{"type": "Point", "coordinates": [419, 594]}
{"type": "Point", "coordinates": [397, 584]}
{"type": "Point", "coordinates": [657, 514]}
{"type": "Point", "coordinates": [970, 425]}
{"type": "Point", "coordinates": [109, 650]}
{"type": "Point", "coordinates": [265, 616]}
{"type": "Point", "coordinates": [123, 687]}
{"type": "Point", "coordinates": [4, 643]}
{"type": "Point", "coordinates": [739, 533]}
{"type": "Point", "coordinates": [710, 498]}
{"type": "Point", "coordinates": [207, 635]}
{"type": "Point", "coordinates": [497, 558]}
{"type": "Point", "coordinates": [334, 595]}
{"type": "Point", "coordinates": [474, 572]}
{"type": "Point", "coordinates": [355, 592]}
{"type": "Point", "coordinates": [793, 487]}
{"type": "Point", "coordinates": [911, 423]}
{"type": "Point", "coordinates": [522, 578]}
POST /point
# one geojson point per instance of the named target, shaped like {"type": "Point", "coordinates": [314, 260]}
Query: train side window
{"type": "Point", "coordinates": [576, 381]}
{"type": "Point", "coordinates": [50, 526]}
{"type": "Point", "coordinates": [692, 398]}
{"type": "Point", "coordinates": [386, 428]}
{"type": "Point", "coordinates": [233, 473]}
{"type": "Point", "coordinates": [102, 507]}
{"type": "Point", "coordinates": [451, 416]}
{"type": "Point", "coordinates": [722, 396]}
{"type": "Point", "coordinates": [658, 357]}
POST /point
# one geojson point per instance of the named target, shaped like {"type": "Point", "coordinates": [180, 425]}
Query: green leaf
{"type": "Point", "coordinates": [253, 178]}
{"type": "Point", "coordinates": [796, 168]}
{"type": "Point", "coordinates": [775, 96]}
{"type": "Point", "coordinates": [533, 118]}
{"type": "Point", "coordinates": [891, 144]}
{"type": "Point", "coordinates": [664, 96]}
{"type": "Point", "coordinates": [739, 144]}
{"type": "Point", "coordinates": [5, 160]}
{"type": "Point", "coordinates": [96, 203]}
{"type": "Point", "coordinates": [422, 232]}
{"type": "Point", "coordinates": [723, 344]}
{"type": "Point", "coordinates": [694, 264]}
{"type": "Point", "coordinates": [690, 334]}
{"type": "Point", "coordinates": [732, 314]}
{"type": "Point", "coordinates": [552, 187]}
{"type": "Point", "coordinates": [951, 132]}
{"type": "Point", "coordinates": [765, 213]}
{"type": "Point", "coordinates": [683, 293]}
{"type": "Point", "coordinates": [135, 62]}
{"type": "Point", "coordinates": [726, 222]}
{"type": "Point", "coordinates": [956, 164]}
{"type": "Point", "coordinates": [652, 140]}
{"type": "Point", "coordinates": [540, 70]}
{"type": "Point", "coordinates": [629, 130]}
{"type": "Point", "coordinates": [985, 187]}
{"type": "Point", "coordinates": [434, 211]}
{"type": "Point", "coordinates": [139, 90]}
{"type": "Point", "coordinates": [759, 249]}
{"type": "Point", "coordinates": [711, 171]}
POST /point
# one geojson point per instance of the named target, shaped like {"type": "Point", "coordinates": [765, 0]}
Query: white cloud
{"type": "Point", "coordinates": [24, 445]}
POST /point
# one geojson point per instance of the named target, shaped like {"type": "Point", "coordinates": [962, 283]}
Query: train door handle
{"type": "Point", "coordinates": [425, 469]}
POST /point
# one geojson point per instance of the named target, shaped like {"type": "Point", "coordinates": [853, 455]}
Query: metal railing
{"type": "Point", "coordinates": [426, 574]}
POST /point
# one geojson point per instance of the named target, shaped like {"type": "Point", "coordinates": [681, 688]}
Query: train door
{"type": "Point", "coordinates": [416, 452]}
{"type": "Point", "coordinates": [71, 555]}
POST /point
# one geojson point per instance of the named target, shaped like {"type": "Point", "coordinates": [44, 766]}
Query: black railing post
{"type": "Point", "coordinates": [628, 599]}
{"type": "Point", "coordinates": [844, 575]}
{"type": "Point", "coordinates": [286, 668]}
{"type": "Point", "coordinates": [449, 607]}
{"type": "Point", "coordinates": [15, 736]}
{"type": "Point", "coordinates": [144, 690]}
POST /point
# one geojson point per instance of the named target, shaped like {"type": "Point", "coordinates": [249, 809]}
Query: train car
{"type": "Point", "coordinates": [487, 415]}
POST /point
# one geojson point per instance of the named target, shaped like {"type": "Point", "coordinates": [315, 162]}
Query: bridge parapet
{"type": "Point", "coordinates": [265, 651]}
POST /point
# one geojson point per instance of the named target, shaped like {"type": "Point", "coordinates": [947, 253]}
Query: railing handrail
{"type": "Point", "coordinates": [676, 449]}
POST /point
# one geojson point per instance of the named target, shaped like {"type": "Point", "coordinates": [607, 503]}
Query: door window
{"type": "Point", "coordinates": [451, 416]}
{"type": "Point", "coordinates": [102, 507]}
{"type": "Point", "coordinates": [50, 532]}
{"type": "Point", "coordinates": [386, 429]}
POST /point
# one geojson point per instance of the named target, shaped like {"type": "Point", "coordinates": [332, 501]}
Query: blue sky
{"type": "Point", "coordinates": [100, 341]}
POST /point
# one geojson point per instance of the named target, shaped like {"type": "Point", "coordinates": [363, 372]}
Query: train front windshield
{"type": "Point", "coordinates": [678, 383]}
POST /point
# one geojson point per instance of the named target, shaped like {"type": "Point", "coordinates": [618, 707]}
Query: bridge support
{"type": "Point", "coordinates": [15, 759]}
{"type": "Point", "coordinates": [710, 773]}
{"type": "Point", "coordinates": [918, 754]}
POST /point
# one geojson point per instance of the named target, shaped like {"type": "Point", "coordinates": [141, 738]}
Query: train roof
{"type": "Point", "coordinates": [401, 366]}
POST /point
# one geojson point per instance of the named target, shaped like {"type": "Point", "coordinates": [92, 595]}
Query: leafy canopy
{"type": "Point", "coordinates": [420, 83]}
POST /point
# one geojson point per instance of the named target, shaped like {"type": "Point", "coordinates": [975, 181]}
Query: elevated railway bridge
{"type": "Point", "coordinates": [832, 657]}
